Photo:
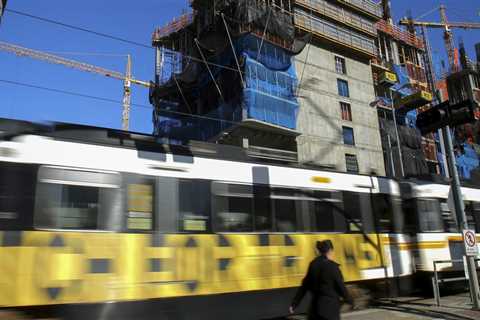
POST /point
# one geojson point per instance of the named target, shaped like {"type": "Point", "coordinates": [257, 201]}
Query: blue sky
{"type": "Point", "coordinates": [129, 20]}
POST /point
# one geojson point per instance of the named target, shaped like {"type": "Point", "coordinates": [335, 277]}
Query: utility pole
{"type": "Point", "coordinates": [399, 144]}
{"type": "Point", "coordinates": [461, 217]}
{"type": "Point", "coordinates": [442, 117]}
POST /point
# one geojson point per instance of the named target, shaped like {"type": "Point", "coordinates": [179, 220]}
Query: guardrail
{"type": "Point", "coordinates": [436, 280]}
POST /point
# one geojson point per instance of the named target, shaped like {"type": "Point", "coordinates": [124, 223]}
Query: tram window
{"type": "Point", "coordinates": [140, 204]}
{"type": "Point", "coordinates": [17, 189]}
{"type": "Point", "coordinates": [262, 208]}
{"type": "Point", "coordinates": [287, 210]}
{"type": "Point", "coordinates": [472, 213]}
{"type": "Point", "coordinates": [325, 214]}
{"type": "Point", "coordinates": [411, 216]}
{"type": "Point", "coordinates": [233, 207]}
{"type": "Point", "coordinates": [358, 212]}
{"type": "Point", "coordinates": [76, 200]}
{"type": "Point", "coordinates": [194, 205]}
{"type": "Point", "coordinates": [449, 219]}
{"type": "Point", "coordinates": [429, 216]}
{"type": "Point", "coordinates": [476, 215]}
{"type": "Point", "coordinates": [383, 212]}
{"type": "Point", "coordinates": [62, 206]}
{"type": "Point", "coordinates": [285, 215]}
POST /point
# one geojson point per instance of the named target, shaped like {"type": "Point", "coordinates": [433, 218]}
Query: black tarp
{"type": "Point", "coordinates": [414, 161]}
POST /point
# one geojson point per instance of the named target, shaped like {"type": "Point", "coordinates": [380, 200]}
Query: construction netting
{"type": "Point", "coordinates": [414, 162]}
{"type": "Point", "coordinates": [222, 83]}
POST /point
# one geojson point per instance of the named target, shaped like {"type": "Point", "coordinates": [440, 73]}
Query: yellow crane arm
{"type": "Point", "coordinates": [461, 25]}
{"type": "Point", "coordinates": [39, 55]}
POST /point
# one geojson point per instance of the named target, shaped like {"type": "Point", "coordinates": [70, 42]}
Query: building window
{"type": "Point", "coordinates": [352, 163]}
{"type": "Point", "coordinates": [340, 65]}
{"type": "Point", "coordinates": [346, 111]}
{"type": "Point", "coordinates": [348, 136]}
{"type": "Point", "coordinates": [343, 88]}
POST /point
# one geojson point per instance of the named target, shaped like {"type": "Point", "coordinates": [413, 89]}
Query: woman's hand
{"type": "Point", "coordinates": [291, 310]}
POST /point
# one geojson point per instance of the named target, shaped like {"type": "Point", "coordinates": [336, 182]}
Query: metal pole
{"type": "Point", "coordinates": [158, 64]}
{"type": "Point", "coordinates": [391, 154]}
{"type": "Point", "coordinates": [444, 153]}
{"type": "Point", "coordinates": [460, 212]}
{"type": "Point", "coordinates": [436, 290]}
{"type": "Point", "coordinates": [399, 146]}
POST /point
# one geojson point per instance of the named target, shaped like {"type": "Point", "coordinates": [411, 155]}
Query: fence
{"type": "Point", "coordinates": [436, 280]}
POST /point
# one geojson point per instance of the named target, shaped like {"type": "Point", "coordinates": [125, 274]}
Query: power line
{"type": "Point", "coordinates": [111, 37]}
{"type": "Point", "coordinates": [71, 93]}
{"type": "Point", "coordinates": [100, 34]}
{"type": "Point", "coordinates": [118, 102]}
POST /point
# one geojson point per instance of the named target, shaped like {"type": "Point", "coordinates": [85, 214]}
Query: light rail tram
{"type": "Point", "coordinates": [103, 224]}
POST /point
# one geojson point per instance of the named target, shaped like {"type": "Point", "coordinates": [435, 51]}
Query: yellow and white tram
{"type": "Point", "coordinates": [105, 224]}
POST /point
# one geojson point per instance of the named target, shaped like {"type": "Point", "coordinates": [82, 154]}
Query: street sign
{"type": "Point", "coordinates": [470, 241]}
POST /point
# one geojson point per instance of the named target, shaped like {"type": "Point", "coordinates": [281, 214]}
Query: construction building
{"type": "Point", "coordinates": [338, 126]}
{"type": "Point", "coordinates": [462, 85]}
{"type": "Point", "coordinates": [401, 83]}
{"type": "Point", "coordinates": [289, 80]}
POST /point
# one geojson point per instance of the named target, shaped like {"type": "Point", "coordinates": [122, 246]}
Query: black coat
{"type": "Point", "coordinates": [324, 281]}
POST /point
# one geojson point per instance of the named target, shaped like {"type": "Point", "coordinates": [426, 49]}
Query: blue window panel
{"type": "Point", "coordinates": [348, 136]}
{"type": "Point", "coordinates": [343, 89]}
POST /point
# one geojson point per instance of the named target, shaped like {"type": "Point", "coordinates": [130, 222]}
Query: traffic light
{"type": "Point", "coordinates": [433, 119]}
{"type": "Point", "coordinates": [462, 113]}
{"type": "Point", "coordinates": [445, 114]}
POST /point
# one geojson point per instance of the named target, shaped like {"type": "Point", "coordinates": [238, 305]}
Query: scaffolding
{"type": "Point", "coordinates": [335, 33]}
{"type": "Point", "coordinates": [399, 34]}
{"type": "Point", "coordinates": [174, 26]}
{"type": "Point", "coordinates": [330, 10]}
{"type": "Point", "coordinates": [367, 6]}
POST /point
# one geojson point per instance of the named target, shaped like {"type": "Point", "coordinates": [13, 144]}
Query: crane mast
{"type": "Point", "coordinates": [127, 78]}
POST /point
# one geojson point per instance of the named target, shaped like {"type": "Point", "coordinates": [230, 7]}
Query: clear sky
{"type": "Point", "coordinates": [134, 20]}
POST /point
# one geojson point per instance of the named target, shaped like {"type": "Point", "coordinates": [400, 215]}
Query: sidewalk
{"type": "Point", "coordinates": [452, 307]}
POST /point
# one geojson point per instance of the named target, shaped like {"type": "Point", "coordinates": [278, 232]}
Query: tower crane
{"type": "Point", "coordinates": [127, 78]}
{"type": "Point", "coordinates": [448, 34]}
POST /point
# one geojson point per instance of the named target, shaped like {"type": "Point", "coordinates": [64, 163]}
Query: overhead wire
{"type": "Point", "coordinates": [109, 100]}
{"type": "Point", "coordinates": [66, 25]}
{"type": "Point", "coordinates": [111, 37]}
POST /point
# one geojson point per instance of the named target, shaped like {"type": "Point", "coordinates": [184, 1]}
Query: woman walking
{"type": "Point", "coordinates": [324, 281]}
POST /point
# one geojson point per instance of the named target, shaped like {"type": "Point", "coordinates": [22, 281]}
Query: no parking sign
{"type": "Point", "coordinates": [470, 241]}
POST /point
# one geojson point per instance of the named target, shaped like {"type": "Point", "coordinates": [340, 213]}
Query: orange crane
{"type": "Point", "coordinates": [448, 34]}
{"type": "Point", "coordinates": [127, 78]}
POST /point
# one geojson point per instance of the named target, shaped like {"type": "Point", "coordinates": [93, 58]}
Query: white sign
{"type": "Point", "coordinates": [470, 241]}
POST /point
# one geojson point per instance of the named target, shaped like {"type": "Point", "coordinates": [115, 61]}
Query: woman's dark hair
{"type": "Point", "coordinates": [324, 246]}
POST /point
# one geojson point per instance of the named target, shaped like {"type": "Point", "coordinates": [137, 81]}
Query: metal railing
{"type": "Point", "coordinates": [436, 280]}
{"type": "Point", "coordinates": [331, 31]}
{"type": "Point", "coordinates": [366, 5]}
{"type": "Point", "coordinates": [333, 11]}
